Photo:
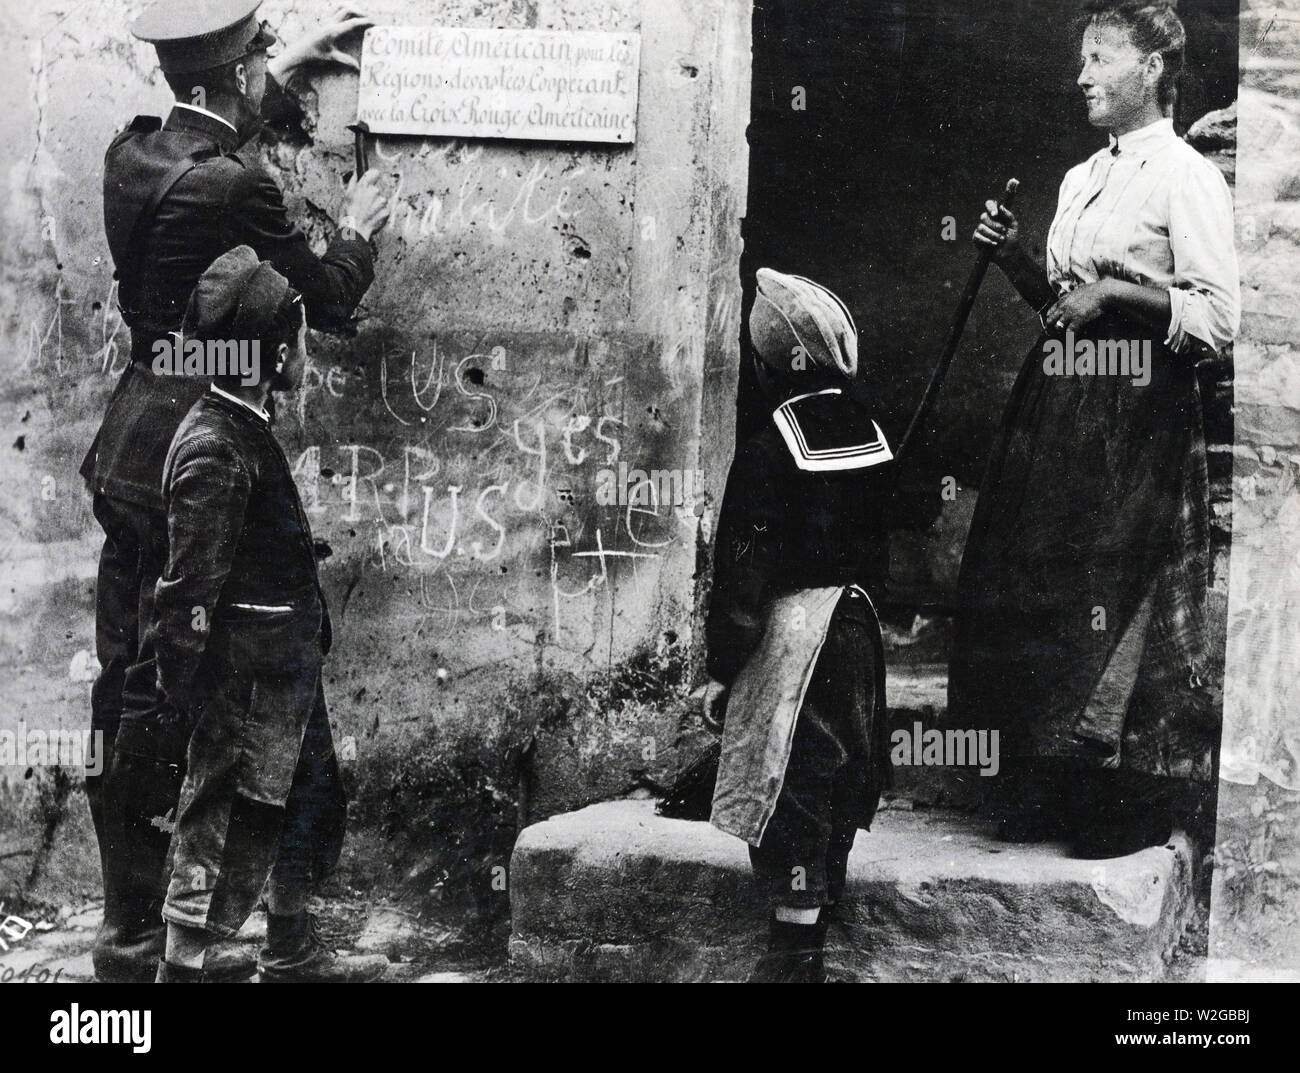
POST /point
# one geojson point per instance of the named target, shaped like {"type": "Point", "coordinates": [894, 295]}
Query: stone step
{"type": "Point", "coordinates": [614, 892]}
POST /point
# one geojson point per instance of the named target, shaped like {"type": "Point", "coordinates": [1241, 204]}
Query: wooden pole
{"type": "Point", "coordinates": [954, 335]}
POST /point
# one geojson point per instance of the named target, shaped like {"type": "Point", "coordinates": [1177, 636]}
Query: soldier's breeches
{"type": "Point", "coordinates": [128, 570]}
{"type": "Point", "coordinates": [132, 800]}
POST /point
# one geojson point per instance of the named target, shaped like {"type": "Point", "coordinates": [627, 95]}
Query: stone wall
{"type": "Point", "coordinates": [1255, 921]}
{"type": "Point", "coordinates": [542, 312]}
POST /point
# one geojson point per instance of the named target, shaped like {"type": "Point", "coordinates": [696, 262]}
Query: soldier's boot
{"type": "Point", "coordinates": [794, 954]}
{"type": "Point", "coordinates": [295, 953]}
{"type": "Point", "coordinates": [1141, 814]}
{"type": "Point", "coordinates": [134, 811]}
{"type": "Point", "coordinates": [132, 800]}
{"type": "Point", "coordinates": [99, 760]}
{"type": "Point", "coordinates": [123, 957]}
{"type": "Point", "coordinates": [127, 945]}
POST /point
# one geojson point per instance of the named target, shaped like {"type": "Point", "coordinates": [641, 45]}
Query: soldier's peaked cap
{"type": "Point", "coordinates": [194, 35]}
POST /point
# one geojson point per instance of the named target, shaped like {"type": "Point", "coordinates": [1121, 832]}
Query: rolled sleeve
{"type": "Point", "coordinates": [1205, 298]}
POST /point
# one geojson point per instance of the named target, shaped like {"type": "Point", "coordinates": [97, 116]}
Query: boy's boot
{"type": "Point", "coordinates": [295, 953]}
{"type": "Point", "coordinates": [180, 974]}
{"type": "Point", "coordinates": [794, 954]}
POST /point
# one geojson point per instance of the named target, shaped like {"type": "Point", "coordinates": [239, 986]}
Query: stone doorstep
{"type": "Point", "coordinates": [614, 892]}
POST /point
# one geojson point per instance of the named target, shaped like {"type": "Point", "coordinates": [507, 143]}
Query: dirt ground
{"type": "Point", "coordinates": [57, 948]}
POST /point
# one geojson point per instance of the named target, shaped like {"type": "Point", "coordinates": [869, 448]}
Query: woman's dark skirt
{"type": "Point", "coordinates": [1081, 629]}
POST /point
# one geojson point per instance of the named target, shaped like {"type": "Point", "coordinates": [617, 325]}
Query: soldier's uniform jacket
{"type": "Point", "coordinates": [225, 200]}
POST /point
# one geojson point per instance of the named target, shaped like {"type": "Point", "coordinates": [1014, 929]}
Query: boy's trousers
{"type": "Point", "coordinates": [262, 790]}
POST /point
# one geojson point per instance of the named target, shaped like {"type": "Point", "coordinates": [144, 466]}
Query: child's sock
{"type": "Point", "coordinates": [790, 915]}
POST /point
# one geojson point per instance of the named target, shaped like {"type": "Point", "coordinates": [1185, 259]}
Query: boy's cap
{"type": "Point", "coordinates": [236, 298]}
{"type": "Point", "coordinates": [194, 35]}
{"type": "Point", "coordinates": [790, 312]}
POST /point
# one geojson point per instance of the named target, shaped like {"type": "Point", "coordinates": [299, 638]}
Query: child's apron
{"type": "Point", "coordinates": [763, 707]}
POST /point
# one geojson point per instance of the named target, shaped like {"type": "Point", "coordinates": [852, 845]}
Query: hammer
{"type": "Point", "coordinates": [361, 158]}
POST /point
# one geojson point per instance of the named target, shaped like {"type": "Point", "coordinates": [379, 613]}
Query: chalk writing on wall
{"type": "Point", "coordinates": [515, 481]}
{"type": "Point", "coordinates": [538, 84]}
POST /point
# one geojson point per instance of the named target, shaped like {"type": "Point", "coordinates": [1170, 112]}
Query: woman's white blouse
{"type": "Point", "coordinates": [1159, 214]}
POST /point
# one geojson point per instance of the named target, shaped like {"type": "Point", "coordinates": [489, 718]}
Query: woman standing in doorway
{"type": "Point", "coordinates": [1082, 626]}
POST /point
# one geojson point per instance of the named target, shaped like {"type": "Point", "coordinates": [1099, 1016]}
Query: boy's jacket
{"type": "Point", "coordinates": [239, 548]}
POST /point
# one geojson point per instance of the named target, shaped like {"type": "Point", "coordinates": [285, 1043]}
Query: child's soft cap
{"type": "Point", "coordinates": [797, 324]}
{"type": "Point", "coordinates": [236, 298]}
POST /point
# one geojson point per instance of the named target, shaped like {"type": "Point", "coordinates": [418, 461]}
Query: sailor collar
{"type": "Point", "coordinates": [824, 435]}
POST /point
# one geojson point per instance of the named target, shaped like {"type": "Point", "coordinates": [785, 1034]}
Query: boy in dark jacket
{"type": "Point", "coordinates": [240, 631]}
{"type": "Point", "coordinates": [793, 643]}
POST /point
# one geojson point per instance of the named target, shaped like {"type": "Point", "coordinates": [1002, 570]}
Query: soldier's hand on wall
{"type": "Point", "coordinates": [365, 208]}
{"type": "Point", "coordinates": [998, 230]}
{"type": "Point", "coordinates": [321, 46]}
